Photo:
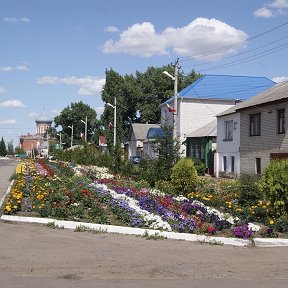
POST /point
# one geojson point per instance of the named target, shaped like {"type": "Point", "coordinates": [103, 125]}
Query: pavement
{"type": "Point", "coordinates": [7, 168]}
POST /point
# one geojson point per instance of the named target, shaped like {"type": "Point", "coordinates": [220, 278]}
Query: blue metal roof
{"type": "Point", "coordinates": [154, 133]}
{"type": "Point", "coordinates": [225, 87]}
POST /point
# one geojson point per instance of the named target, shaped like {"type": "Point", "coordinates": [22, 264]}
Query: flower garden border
{"type": "Point", "coordinates": [258, 242]}
{"type": "Point", "coordinates": [253, 242]}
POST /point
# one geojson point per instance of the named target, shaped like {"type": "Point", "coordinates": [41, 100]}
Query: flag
{"type": "Point", "coordinates": [170, 109]}
{"type": "Point", "coordinates": [110, 125]}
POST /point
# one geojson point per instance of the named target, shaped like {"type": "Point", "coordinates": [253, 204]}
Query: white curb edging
{"type": "Point", "coordinates": [131, 231]}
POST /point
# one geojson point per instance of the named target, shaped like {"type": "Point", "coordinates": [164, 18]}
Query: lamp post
{"type": "Point", "coordinates": [71, 127]}
{"type": "Point", "coordinates": [85, 122]}
{"type": "Point", "coordinates": [175, 79]}
{"type": "Point", "coordinates": [60, 137]}
{"type": "Point", "coordinates": [114, 124]}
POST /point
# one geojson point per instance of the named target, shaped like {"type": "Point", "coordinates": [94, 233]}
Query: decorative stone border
{"type": "Point", "coordinates": [132, 231]}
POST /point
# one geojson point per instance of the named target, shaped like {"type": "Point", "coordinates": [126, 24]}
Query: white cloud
{"type": "Point", "coordinates": [88, 85]}
{"type": "Point", "coordinates": [16, 20]}
{"type": "Point", "coordinates": [280, 4]}
{"type": "Point", "coordinates": [2, 90]}
{"type": "Point", "coordinates": [111, 29]}
{"type": "Point", "coordinates": [12, 104]}
{"type": "Point", "coordinates": [14, 68]}
{"type": "Point", "coordinates": [264, 12]}
{"type": "Point", "coordinates": [273, 9]}
{"type": "Point", "coordinates": [10, 121]}
{"type": "Point", "coordinates": [200, 36]}
{"type": "Point", "coordinates": [279, 79]}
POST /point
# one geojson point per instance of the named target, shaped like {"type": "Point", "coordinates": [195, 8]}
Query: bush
{"type": "Point", "coordinates": [184, 176]}
{"type": "Point", "coordinates": [281, 224]}
{"type": "Point", "coordinates": [200, 167]}
{"type": "Point", "coordinates": [275, 185]}
{"type": "Point", "coordinates": [165, 187]}
{"type": "Point", "coordinates": [249, 190]}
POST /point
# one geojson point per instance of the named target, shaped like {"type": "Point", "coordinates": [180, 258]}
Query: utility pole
{"type": "Point", "coordinates": [71, 127]}
{"type": "Point", "coordinates": [175, 104]}
{"type": "Point", "coordinates": [115, 116]}
{"type": "Point", "coordinates": [85, 122]}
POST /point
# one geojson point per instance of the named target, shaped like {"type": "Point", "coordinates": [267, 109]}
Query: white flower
{"type": "Point", "coordinates": [253, 227]}
{"type": "Point", "coordinates": [151, 220]}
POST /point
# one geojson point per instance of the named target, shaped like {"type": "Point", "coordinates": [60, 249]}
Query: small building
{"type": "Point", "coordinates": [37, 142]}
{"type": "Point", "coordinates": [201, 145]}
{"type": "Point", "coordinates": [149, 150]}
{"type": "Point", "coordinates": [137, 135]}
{"type": "Point", "coordinates": [252, 133]}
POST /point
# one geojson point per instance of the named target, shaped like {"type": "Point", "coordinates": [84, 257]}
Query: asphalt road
{"type": "Point", "coordinates": [33, 255]}
{"type": "Point", "coordinates": [7, 168]}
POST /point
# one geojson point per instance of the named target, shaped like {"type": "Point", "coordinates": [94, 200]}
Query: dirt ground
{"type": "Point", "coordinates": [33, 256]}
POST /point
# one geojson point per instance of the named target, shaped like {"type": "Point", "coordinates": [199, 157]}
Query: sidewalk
{"type": "Point", "coordinates": [7, 168]}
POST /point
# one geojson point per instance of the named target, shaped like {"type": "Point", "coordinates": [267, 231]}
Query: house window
{"type": "Point", "coordinates": [255, 124]}
{"type": "Point", "coordinates": [258, 165]}
{"type": "Point", "coordinates": [281, 121]}
{"type": "Point", "coordinates": [228, 130]}
{"type": "Point", "coordinates": [224, 163]}
{"type": "Point", "coordinates": [232, 164]}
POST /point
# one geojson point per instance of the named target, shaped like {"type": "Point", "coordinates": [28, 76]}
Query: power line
{"type": "Point", "coordinates": [250, 58]}
{"type": "Point", "coordinates": [234, 44]}
{"type": "Point", "coordinates": [238, 54]}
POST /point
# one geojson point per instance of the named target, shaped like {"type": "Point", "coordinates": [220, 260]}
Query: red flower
{"type": "Point", "coordinates": [211, 229]}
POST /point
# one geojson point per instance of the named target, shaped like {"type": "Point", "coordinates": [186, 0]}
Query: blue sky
{"type": "Point", "coordinates": [54, 52]}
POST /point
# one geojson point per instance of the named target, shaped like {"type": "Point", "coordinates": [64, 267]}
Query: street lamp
{"type": "Point", "coordinates": [60, 137]}
{"type": "Point", "coordinates": [71, 127]}
{"type": "Point", "coordinates": [175, 79]}
{"type": "Point", "coordinates": [85, 122]}
{"type": "Point", "coordinates": [115, 115]}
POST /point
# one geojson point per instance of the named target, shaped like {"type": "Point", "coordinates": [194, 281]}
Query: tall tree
{"type": "Point", "coordinates": [72, 115]}
{"type": "Point", "coordinates": [3, 150]}
{"type": "Point", "coordinates": [10, 148]}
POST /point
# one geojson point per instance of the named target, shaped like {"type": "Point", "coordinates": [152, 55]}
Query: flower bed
{"type": "Point", "coordinates": [50, 190]}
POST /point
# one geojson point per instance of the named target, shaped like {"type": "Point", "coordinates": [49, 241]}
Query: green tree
{"type": "Point", "coordinates": [3, 150]}
{"type": "Point", "coordinates": [72, 115]}
{"type": "Point", "coordinates": [138, 97]}
{"type": "Point", "coordinates": [10, 148]}
{"type": "Point", "coordinates": [167, 150]}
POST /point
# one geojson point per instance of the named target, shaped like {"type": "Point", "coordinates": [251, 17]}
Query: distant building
{"type": "Point", "coordinates": [38, 142]}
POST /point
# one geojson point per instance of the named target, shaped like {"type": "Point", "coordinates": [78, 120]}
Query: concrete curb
{"type": "Point", "coordinates": [132, 231]}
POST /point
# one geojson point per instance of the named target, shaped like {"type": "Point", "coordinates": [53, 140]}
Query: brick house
{"type": "Point", "coordinates": [37, 141]}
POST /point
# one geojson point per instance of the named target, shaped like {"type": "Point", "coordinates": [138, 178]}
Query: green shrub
{"type": "Point", "coordinates": [200, 166]}
{"type": "Point", "coordinates": [153, 171]}
{"type": "Point", "coordinates": [249, 190]}
{"type": "Point", "coordinates": [184, 176]}
{"type": "Point", "coordinates": [275, 185]}
{"type": "Point", "coordinates": [165, 187]}
{"type": "Point", "coordinates": [281, 224]}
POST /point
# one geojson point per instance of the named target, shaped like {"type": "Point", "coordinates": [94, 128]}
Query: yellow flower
{"type": "Point", "coordinates": [271, 222]}
{"type": "Point", "coordinates": [8, 208]}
